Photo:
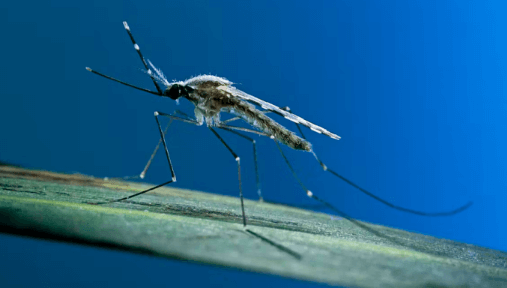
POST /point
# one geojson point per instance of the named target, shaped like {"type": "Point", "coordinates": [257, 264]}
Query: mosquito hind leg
{"type": "Point", "coordinates": [254, 155]}
{"type": "Point", "coordinates": [236, 157]}
{"type": "Point", "coordinates": [422, 213]}
{"type": "Point", "coordinates": [325, 168]}
{"type": "Point", "coordinates": [307, 191]}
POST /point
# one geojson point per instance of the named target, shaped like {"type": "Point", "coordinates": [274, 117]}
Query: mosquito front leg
{"type": "Point", "coordinates": [236, 157]}
{"type": "Point", "coordinates": [143, 174]}
{"type": "Point", "coordinates": [147, 166]}
{"type": "Point", "coordinates": [162, 136]}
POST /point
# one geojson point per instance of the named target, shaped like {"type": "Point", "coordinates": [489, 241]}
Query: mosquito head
{"type": "Point", "coordinates": [176, 91]}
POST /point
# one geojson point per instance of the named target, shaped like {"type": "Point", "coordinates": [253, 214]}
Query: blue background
{"type": "Point", "coordinates": [415, 88]}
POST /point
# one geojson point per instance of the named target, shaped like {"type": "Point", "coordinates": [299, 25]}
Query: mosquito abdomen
{"type": "Point", "coordinates": [267, 125]}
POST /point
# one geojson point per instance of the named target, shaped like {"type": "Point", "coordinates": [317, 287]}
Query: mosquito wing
{"type": "Point", "coordinates": [286, 114]}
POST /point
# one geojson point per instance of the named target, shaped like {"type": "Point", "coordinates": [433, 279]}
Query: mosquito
{"type": "Point", "coordinates": [212, 95]}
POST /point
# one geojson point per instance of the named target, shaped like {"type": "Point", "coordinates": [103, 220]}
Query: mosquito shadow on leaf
{"type": "Point", "coordinates": [276, 245]}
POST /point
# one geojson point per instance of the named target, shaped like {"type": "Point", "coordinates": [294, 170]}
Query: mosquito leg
{"type": "Point", "coordinates": [184, 115]}
{"type": "Point", "coordinates": [142, 57]}
{"type": "Point", "coordinates": [243, 129]}
{"type": "Point", "coordinates": [431, 214]}
{"type": "Point", "coordinates": [255, 158]}
{"type": "Point", "coordinates": [325, 168]}
{"type": "Point", "coordinates": [238, 118]}
{"type": "Point", "coordinates": [143, 174]}
{"type": "Point", "coordinates": [162, 136]}
{"type": "Point", "coordinates": [333, 208]}
{"type": "Point", "coordinates": [236, 157]}
{"type": "Point", "coordinates": [308, 192]}
{"type": "Point", "coordinates": [230, 120]}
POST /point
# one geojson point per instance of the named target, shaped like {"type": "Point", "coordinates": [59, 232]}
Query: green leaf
{"type": "Point", "coordinates": [207, 228]}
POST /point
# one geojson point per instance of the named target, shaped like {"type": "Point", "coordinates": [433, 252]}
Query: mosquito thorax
{"type": "Point", "coordinates": [176, 91]}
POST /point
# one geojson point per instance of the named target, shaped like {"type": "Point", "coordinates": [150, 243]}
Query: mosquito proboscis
{"type": "Point", "coordinates": [212, 95]}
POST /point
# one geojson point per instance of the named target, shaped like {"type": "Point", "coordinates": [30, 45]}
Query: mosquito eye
{"type": "Point", "coordinates": [173, 92]}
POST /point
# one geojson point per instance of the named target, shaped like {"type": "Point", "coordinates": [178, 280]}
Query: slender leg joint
{"type": "Point", "coordinates": [324, 167]}
{"type": "Point", "coordinates": [236, 157]}
{"type": "Point", "coordinates": [229, 128]}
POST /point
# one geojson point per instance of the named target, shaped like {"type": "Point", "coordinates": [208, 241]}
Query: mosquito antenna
{"type": "Point", "coordinates": [142, 57]}
{"type": "Point", "coordinates": [121, 82]}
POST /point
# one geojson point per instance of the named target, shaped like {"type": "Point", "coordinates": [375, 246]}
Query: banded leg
{"type": "Point", "coordinates": [236, 157]}
{"type": "Point", "coordinates": [255, 158]}
{"type": "Point", "coordinates": [162, 135]}
{"type": "Point", "coordinates": [150, 73]}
